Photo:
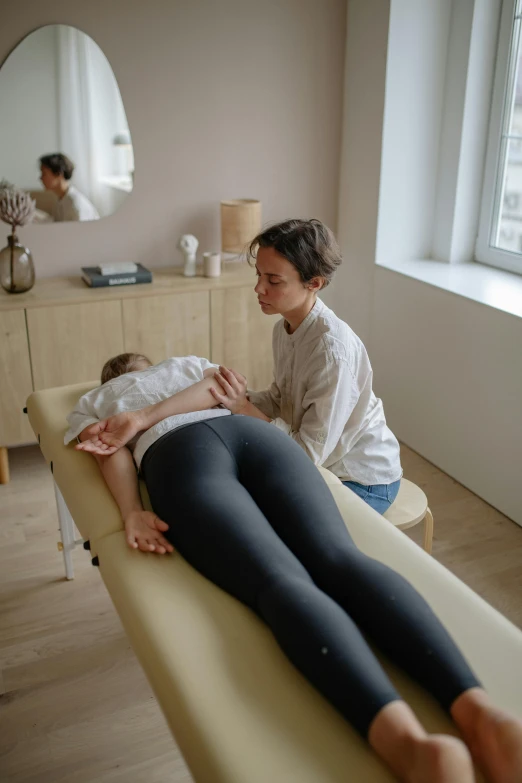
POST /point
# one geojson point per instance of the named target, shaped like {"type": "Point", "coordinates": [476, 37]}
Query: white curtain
{"type": "Point", "coordinates": [90, 115]}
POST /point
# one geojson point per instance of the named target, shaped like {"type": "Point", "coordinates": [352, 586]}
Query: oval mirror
{"type": "Point", "coordinates": [64, 135]}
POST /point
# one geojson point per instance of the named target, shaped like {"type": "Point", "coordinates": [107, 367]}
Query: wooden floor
{"type": "Point", "coordinates": [74, 704]}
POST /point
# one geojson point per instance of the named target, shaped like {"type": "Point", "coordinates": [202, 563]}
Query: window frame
{"type": "Point", "coordinates": [491, 198]}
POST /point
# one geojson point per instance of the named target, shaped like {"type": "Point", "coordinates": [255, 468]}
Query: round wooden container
{"type": "Point", "coordinates": [240, 222]}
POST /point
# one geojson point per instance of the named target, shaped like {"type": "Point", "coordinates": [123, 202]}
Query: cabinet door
{"type": "Point", "coordinates": [70, 343]}
{"type": "Point", "coordinates": [241, 335]}
{"type": "Point", "coordinates": [15, 379]}
{"type": "Point", "coordinates": [167, 325]}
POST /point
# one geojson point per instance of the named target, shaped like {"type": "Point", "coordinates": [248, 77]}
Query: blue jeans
{"type": "Point", "coordinates": [378, 496]}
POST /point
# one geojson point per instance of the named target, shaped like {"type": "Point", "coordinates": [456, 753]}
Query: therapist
{"type": "Point", "coordinates": [322, 392]}
{"type": "Point", "coordinates": [56, 171]}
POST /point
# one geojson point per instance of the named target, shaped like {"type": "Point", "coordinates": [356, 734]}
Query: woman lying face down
{"type": "Point", "coordinates": [245, 506]}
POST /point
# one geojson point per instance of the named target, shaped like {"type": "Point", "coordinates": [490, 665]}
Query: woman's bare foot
{"type": "Point", "coordinates": [493, 736]}
{"type": "Point", "coordinates": [414, 756]}
{"type": "Point", "coordinates": [440, 759]}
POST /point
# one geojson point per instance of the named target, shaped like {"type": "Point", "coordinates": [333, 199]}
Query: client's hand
{"type": "Point", "coordinates": [234, 386]}
{"type": "Point", "coordinates": [143, 531]}
{"type": "Point", "coordinates": [107, 436]}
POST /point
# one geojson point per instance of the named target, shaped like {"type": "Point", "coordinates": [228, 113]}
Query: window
{"type": "Point", "coordinates": [499, 241]}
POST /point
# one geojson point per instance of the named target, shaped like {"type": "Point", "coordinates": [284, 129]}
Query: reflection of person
{"type": "Point", "coordinates": [56, 172]}
{"type": "Point", "coordinates": [244, 505]}
{"type": "Point", "coordinates": [322, 393]}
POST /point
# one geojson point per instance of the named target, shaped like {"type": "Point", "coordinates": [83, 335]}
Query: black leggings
{"type": "Point", "coordinates": [247, 508]}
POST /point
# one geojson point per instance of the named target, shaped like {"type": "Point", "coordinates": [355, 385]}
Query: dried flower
{"type": "Point", "coordinates": [5, 185]}
{"type": "Point", "coordinates": [16, 207]}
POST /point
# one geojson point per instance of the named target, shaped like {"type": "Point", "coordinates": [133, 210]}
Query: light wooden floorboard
{"type": "Point", "coordinates": [471, 538]}
{"type": "Point", "coordinates": [75, 706]}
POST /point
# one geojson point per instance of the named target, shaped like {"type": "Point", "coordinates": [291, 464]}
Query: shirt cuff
{"type": "Point", "coordinates": [281, 425]}
{"type": "Point", "coordinates": [77, 428]}
{"type": "Point", "coordinates": [263, 402]}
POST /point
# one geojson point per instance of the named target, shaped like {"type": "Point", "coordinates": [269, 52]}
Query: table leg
{"type": "Point", "coordinates": [67, 532]}
{"type": "Point", "coordinates": [428, 531]}
{"type": "Point", "coordinates": [4, 465]}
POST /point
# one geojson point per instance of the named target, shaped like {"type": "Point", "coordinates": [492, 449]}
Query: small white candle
{"type": "Point", "coordinates": [211, 264]}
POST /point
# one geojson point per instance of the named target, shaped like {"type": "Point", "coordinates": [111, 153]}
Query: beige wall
{"type": "Point", "coordinates": [450, 373]}
{"type": "Point", "coordinates": [365, 74]}
{"type": "Point", "coordinates": [239, 98]}
{"type": "Point", "coordinates": [447, 369]}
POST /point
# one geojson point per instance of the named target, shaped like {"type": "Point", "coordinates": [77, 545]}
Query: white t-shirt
{"type": "Point", "coordinates": [322, 397]}
{"type": "Point", "coordinates": [135, 390]}
{"type": "Point", "coordinates": [74, 206]}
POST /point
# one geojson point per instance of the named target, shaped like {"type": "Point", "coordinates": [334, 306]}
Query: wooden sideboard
{"type": "Point", "coordinates": [61, 332]}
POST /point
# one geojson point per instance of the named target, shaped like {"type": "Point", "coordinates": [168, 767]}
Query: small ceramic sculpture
{"type": "Point", "coordinates": [188, 244]}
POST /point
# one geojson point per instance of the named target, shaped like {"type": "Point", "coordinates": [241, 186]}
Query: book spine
{"type": "Point", "coordinates": [100, 282]}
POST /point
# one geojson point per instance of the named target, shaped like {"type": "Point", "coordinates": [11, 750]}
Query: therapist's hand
{"type": "Point", "coordinates": [233, 393]}
{"type": "Point", "coordinates": [107, 436]}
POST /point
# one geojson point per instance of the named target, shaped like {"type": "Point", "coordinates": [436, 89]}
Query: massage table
{"type": "Point", "coordinates": [238, 709]}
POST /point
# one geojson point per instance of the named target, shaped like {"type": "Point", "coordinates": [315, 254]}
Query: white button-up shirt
{"type": "Point", "coordinates": [134, 390]}
{"type": "Point", "coordinates": [74, 206]}
{"type": "Point", "coordinates": [322, 397]}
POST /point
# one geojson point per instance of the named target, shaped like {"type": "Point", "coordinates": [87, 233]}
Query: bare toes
{"type": "Point", "coordinates": [442, 759]}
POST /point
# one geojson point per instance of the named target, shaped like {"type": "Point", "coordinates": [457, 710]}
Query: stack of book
{"type": "Point", "coordinates": [115, 274]}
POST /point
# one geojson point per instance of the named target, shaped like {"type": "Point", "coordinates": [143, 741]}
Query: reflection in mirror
{"type": "Point", "coordinates": [64, 135]}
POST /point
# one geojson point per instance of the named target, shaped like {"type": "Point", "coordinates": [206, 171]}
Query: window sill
{"type": "Point", "coordinates": [487, 285]}
{"type": "Point", "coordinates": [118, 183]}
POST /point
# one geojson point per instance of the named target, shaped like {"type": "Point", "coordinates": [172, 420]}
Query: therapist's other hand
{"type": "Point", "coordinates": [233, 393]}
{"type": "Point", "coordinates": [107, 436]}
{"type": "Point", "coordinates": [143, 530]}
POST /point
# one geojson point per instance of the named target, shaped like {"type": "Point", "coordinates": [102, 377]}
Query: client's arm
{"type": "Point", "coordinates": [105, 437]}
{"type": "Point", "coordinates": [143, 529]}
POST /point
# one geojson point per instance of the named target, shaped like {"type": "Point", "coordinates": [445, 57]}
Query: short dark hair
{"type": "Point", "coordinates": [308, 244]}
{"type": "Point", "coordinates": [59, 164]}
{"type": "Point", "coordinates": [119, 365]}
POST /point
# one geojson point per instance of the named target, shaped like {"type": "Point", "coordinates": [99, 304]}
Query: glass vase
{"type": "Point", "coordinates": [16, 267]}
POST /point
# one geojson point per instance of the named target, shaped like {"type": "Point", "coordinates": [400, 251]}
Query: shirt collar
{"type": "Point", "coordinates": [303, 327]}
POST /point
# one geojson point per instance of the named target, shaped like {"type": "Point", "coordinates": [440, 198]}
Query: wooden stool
{"type": "Point", "coordinates": [409, 508]}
